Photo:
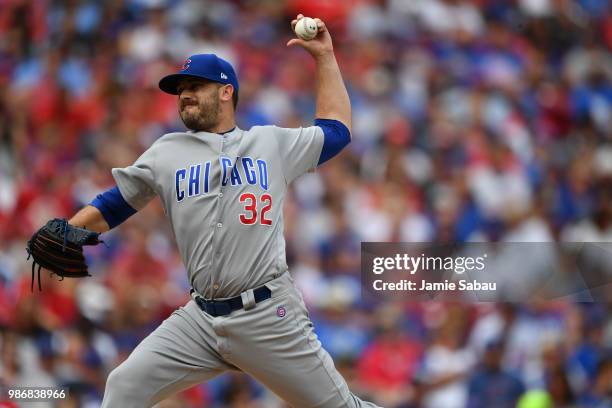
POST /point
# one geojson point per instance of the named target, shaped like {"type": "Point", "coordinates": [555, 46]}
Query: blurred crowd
{"type": "Point", "coordinates": [474, 120]}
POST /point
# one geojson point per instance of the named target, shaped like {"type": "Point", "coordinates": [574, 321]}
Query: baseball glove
{"type": "Point", "coordinates": [58, 247]}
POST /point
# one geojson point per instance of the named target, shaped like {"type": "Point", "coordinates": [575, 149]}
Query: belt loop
{"type": "Point", "coordinates": [248, 299]}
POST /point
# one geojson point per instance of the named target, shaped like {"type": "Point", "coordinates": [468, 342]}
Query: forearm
{"type": "Point", "coordinates": [332, 97]}
{"type": "Point", "coordinates": [91, 218]}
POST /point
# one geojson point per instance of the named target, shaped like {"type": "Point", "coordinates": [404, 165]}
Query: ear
{"type": "Point", "coordinates": [226, 92]}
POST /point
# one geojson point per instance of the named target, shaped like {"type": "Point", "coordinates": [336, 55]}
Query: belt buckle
{"type": "Point", "coordinates": [207, 306]}
{"type": "Point", "coordinates": [222, 308]}
{"type": "Point", "coordinates": [215, 308]}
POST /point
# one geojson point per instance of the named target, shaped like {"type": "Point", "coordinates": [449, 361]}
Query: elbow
{"type": "Point", "coordinates": [346, 119]}
{"type": "Point", "coordinates": [339, 114]}
{"type": "Point", "coordinates": [349, 127]}
{"type": "Point", "coordinates": [349, 122]}
{"type": "Point", "coordinates": [336, 135]}
{"type": "Point", "coordinates": [113, 207]}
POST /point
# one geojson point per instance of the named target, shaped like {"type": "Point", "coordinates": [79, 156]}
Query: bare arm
{"type": "Point", "coordinates": [91, 218]}
{"type": "Point", "coordinates": [332, 98]}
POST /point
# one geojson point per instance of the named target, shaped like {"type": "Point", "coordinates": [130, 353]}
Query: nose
{"type": "Point", "coordinates": [186, 94]}
{"type": "Point", "coordinates": [186, 97]}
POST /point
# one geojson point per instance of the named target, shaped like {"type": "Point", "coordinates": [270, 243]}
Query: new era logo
{"type": "Point", "coordinates": [223, 76]}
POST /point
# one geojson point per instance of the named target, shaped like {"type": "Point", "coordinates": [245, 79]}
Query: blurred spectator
{"type": "Point", "coordinates": [600, 392]}
{"type": "Point", "coordinates": [490, 385]}
{"type": "Point", "coordinates": [446, 364]}
{"type": "Point", "coordinates": [390, 362]}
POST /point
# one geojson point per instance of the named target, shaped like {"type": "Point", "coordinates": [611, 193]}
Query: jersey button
{"type": "Point", "coordinates": [215, 286]}
{"type": "Point", "coordinates": [220, 195]}
{"type": "Point", "coordinates": [219, 225]}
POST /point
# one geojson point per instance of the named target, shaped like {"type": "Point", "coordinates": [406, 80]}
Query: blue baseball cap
{"type": "Point", "coordinates": [206, 66]}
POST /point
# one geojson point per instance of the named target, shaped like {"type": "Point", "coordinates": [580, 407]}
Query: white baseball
{"type": "Point", "coordinates": [306, 28]}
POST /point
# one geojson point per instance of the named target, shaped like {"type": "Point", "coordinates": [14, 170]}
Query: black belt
{"type": "Point", "coordinates": [224, 307]}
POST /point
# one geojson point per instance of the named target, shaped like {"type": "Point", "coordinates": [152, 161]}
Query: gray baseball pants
{"type": "Point", "coordinates": [190, 347]}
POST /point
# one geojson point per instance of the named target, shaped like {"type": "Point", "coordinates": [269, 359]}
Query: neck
{"type": "Point", "coordinates": [224, 125]}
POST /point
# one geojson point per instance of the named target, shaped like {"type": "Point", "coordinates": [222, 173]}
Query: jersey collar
{"type": "Point", "coordinates": [230, 132]}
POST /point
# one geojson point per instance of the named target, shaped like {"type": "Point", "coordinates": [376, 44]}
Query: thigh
{"type": "Point", "coordinates": [276, 344]}
{"type": "Point", "coordinates": [178, 354]}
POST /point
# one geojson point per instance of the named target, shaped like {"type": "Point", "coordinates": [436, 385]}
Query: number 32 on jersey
{"type": "Point", "coordinates": [256, 209]}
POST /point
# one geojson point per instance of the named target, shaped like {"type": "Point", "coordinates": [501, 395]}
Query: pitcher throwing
{"type": "Point", "coordinates": [223, 189]}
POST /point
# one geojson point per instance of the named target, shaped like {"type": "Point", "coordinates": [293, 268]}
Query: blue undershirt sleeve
{"type": "Point", "coordinates": [113, 207]}
{"type": "Point", "coordinates": [336, 137]}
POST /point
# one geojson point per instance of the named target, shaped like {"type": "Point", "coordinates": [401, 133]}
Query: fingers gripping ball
{"type": "Point", "coordinates": [306, 28]}
{"type": "Point", "coordinates": [58, 247]}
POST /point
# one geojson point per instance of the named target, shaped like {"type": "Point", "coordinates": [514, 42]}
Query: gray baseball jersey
{"type": "Point", "coordinates": [224, 197]}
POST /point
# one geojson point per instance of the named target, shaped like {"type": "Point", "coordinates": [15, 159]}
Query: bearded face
{"type": "Point", "coordinates": [199, 106]}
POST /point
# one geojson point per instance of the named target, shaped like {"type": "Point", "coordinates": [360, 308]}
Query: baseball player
{"type": "Point", "coordinates": [223, 189]}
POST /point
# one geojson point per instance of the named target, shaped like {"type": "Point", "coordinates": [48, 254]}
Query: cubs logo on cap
{"type": "Point", "coordinates": [185, 64]}
{"type": "Point", "coordinates": [205, 66]}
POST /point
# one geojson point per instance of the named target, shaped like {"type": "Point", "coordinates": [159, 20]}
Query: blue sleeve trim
{"type": "Point", "coordinates": [336, 137]}
{"type": "Point", "coordinates": [113, 207]}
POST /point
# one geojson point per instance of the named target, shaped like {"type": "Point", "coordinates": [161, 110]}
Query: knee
{"type": "Point", "coordinates": [122, 381]}
{"type": "Point", "coordinates": [117, 379]}
{"type": "Point", "coordinates": [134, 383]}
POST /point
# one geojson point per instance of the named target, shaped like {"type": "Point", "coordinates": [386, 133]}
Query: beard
{"type": "Point", "coordinates": [200, 116]}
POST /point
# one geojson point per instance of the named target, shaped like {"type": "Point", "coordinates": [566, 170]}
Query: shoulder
{"type": "Point", "coordinates": [152, 151]}
{"type": "Point", "coordinates": [169, 137]}
{"type": "Point", "coordinates": [277, 131]}
{"type": "Point", "coordinates": [265, 131]}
